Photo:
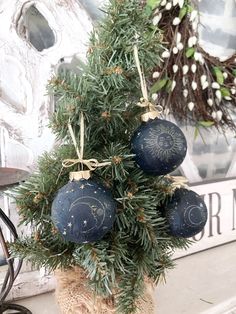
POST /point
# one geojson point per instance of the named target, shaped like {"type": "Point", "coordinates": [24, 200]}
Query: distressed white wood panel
{"type": "Point", "coordinates": [93, 7]}
{"type": "Point", "coordinates": [217, 27]}
{"type": "Point", "coordinates": [25, 71]}
{"type": "Point", "coordinates": [210, 157]}
{"type": "Point", "coordinates": [30, 284]}
{"type": "Point", "coordinates": [9, 208]}
{"type": "Point", "coordinates": [15, 159]}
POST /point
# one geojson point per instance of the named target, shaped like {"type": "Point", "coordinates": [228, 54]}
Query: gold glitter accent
{"type": "Point", "coordinates": [37, 236]}
{"type": "Point", "coordinates": [38, 198]}
{"type": "Point", "coordinates": [106, 115]}
{"type": "Point", "coordinates": [140, 215]}
{"type": "Point", "coordinates": [117, 160]}
{"type": "Point", "coordinates": [70, 107]}
{"type": "Point", "coordinates": [130, 195]}
{"type": "Point", "coordinates": [54, 230]}
{"type": "Point", "coordinates": [114, 70]}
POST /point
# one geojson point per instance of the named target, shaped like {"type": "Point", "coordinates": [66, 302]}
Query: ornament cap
{"type": "Point", "coordinates": [78, 175]}
{"type": "Point", "coordinates": [150, 115]}
{"type": "Point", "coordinates": [178, 182]}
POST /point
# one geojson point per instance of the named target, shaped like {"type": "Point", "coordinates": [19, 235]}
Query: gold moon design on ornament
{"type": "Point", "coordinates": [95, 207]}
{"type": "Point", "coordinates": [189, 213]}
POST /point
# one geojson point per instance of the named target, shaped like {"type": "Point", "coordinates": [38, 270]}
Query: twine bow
{"type": "Point", "coordinates": [92, 163]}
{"type": "Point", "coordinates": [144, 102]}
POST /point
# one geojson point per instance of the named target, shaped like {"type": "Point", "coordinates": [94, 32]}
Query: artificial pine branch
{"type": "Point", "coordinates": [107, 92]}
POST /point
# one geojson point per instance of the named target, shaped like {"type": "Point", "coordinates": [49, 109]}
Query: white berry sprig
{"type": "Point", "coordinates": [189, 82]}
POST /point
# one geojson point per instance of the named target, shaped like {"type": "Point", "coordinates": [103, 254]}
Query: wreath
{"type": "Point", "coordinates": [189, 83]}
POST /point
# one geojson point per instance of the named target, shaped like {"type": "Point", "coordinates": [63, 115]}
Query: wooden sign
{"type": "Point", "coordinates": [220, 198]}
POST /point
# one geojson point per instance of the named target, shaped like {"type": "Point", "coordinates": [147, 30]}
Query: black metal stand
{"type": "Point", "coordinates": [12, 271]}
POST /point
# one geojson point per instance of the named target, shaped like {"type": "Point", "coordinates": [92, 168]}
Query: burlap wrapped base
{"type": "Point", "coordinates": [74, 297]}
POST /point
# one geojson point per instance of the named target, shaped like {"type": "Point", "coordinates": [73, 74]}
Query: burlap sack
{"type": "Point", "coordinates": [74, 297]}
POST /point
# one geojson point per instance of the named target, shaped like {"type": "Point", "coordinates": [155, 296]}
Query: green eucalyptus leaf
{"type": "Point", "coordinates": [183, 11]}
{"type": "Point", "coordinates": [148, 10]}
{"type": "Point", "coordinates": [225, 92]}
{"type": "Point", "coordinates": [206, 124]}
{"type": "Point", "coordinates": [190, 52]}
{"type": "Point", "coordinates": [158, 85]}
{"type": "Point", "coordinates": [234, 72]}
{"type": "Point", "coordinates": [153, 3]}
{"type": "Point", "coordinates": [196, 133]}
{"type": "Point", "coordinates": [190, 8]}
{"type": "Point", "coordinates": [219, 75]}
{"type": "Point", "coordinates": [168, 86]}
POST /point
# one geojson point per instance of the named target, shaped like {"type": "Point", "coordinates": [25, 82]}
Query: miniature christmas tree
{"type": "Point", "coordinates": [101, 103]}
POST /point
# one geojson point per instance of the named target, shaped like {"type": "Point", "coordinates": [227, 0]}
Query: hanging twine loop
{"type": "Point", "coordinates": [153, 111]}
{"type": "Point", "coordinates": [91, 164]}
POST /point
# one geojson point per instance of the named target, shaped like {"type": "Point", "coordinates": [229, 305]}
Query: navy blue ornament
{"type": "Point", "coordinates": [186, 213]}
{"type": "Point", "coordinates": [83, 211]}
{"type": "Point", "coordinates": [159, 146]}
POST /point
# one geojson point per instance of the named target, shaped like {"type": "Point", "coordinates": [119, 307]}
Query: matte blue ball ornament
{"type": "Point", "coordinates": [186, 213]}
{"type": "Point", "coordinates": [83, 211]}
{"type": "Point", "coordinates": [159, 146]}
